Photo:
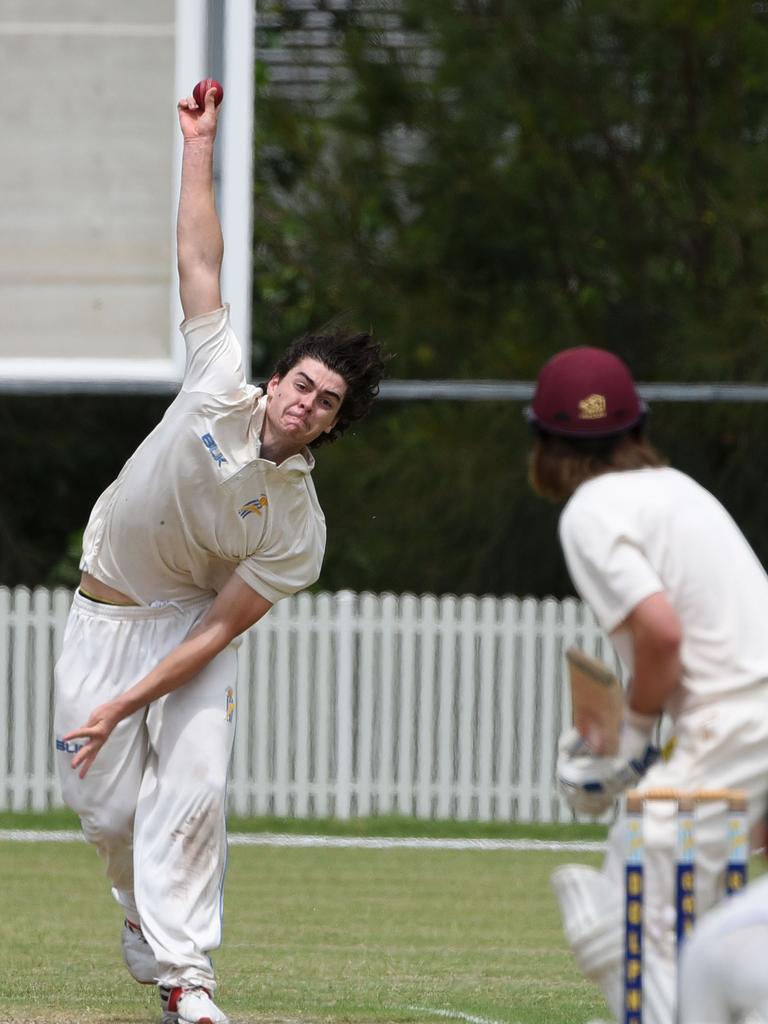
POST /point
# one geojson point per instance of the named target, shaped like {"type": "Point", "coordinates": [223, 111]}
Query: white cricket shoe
{"type": "Point", "coordinates": [190, 1006]}
{"type": "Point", "coordinates": [138, 955]}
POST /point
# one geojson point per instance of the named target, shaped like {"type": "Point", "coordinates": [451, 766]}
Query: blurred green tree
{"type": "Point", "coordinates": [524, 177]}
{"type": "Point", "coordinates": [484, 183]}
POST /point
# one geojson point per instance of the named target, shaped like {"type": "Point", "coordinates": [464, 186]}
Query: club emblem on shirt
{"type": "Point", "coordinates": [210, 443]}
{"type": "Point", "coordinates": [592, 407]}
{"type": "Point", "coordinates": [230, 703]}
{"type": "Point", "coordinates": [254, 505]}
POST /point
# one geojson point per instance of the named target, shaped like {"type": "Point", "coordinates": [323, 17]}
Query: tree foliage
{"type": "Point", "coordinates": [527, 175]}
{"type": "Point", "coordinates": [563, 173]}
{"type": "Point", "coordinates": [60, 452]}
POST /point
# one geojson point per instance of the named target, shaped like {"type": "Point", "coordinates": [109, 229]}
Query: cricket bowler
{"type": "Point", "coordinates": [212, 520]}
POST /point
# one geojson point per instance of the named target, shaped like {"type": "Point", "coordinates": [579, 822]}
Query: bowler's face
{"type": "Point", "coordinates": [305, 402]}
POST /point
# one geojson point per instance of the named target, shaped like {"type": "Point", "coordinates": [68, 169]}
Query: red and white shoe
{"type": "Point", "coordinates": [138, 955]}
{"type": "Point", "coordinates": [190, 1006]}
{"type": "Point", "coordinates": [169, 1016]}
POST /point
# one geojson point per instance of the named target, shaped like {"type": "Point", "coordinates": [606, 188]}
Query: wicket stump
{"type": "Point", "coordinates": [685, 873]}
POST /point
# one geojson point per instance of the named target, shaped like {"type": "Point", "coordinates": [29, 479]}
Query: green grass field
{"type": "Point", "coordinates": [336, 935]}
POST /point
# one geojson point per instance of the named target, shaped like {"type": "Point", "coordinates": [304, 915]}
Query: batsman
{"type": "Point", "coordinates": [674, 583]}
{"type": "Point", "coordinates": [212, 520]}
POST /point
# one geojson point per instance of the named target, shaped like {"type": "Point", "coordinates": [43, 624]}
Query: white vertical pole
{"type": "Point", "coordinates": [486, 754]}
{"type": "Point", "coordinates": [19, 702]}
{"type": "Point", "coordinates": [445, 788]}
{"type": "Point", "coordinates": [426, 706]}
{"type": "Point", "coordinates": [527, 723]}
{"type": "Point", "coordinates": [237, 165]}
{"type": "Point", "coordinates": [345, 638]}
{"type": "Point", "coordinates": [466, 740]}
{"type": "Point", "coordinates": [41, 687]}
{"type": "Point", "coordinates": [408, 617]}
{"type": "Point", "coordinates": [509, 618]}
{"type": "Point", "coordinates": [282, 622]}
{"type": "Point", "coordinates": [304, 626]}
{"type": "Point", "coordinates": [386, 683]}
{"type": "Point", "coordinates": [5, 718]}
{"type": "Point", "coordinates": [190, 58]}
{"type": "Point", "coordinates": [366, 707]}
{"type": "Point", "coordinates": [569, 609]}
{"type": "Point", "coordinates": [546, 726]}
{"type": "Point", "coordinates": [324, 801]}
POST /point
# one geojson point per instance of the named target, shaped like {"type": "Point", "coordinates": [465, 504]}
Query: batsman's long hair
{"type": "Point", "coordinates": [557, 465]}
{"type": "Point", "coordinates": [357, 357]}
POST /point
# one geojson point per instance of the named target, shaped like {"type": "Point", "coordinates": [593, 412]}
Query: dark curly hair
{"type": "Point", "coordinates": [357, 357]}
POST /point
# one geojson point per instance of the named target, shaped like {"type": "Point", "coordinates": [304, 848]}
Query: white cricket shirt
{"type": "Point", "coordinates": [195, 502]}
{"type": "Point", "coordinates": [627, 535]}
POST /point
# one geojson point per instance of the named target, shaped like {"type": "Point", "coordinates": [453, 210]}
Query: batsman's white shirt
{"type": "Point", "coordinates": [627, 535]}
{"type": "Point", "coordinates": [196, 502]}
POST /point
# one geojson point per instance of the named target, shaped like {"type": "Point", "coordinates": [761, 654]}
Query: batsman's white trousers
{"type": "Point", "coordinates": [153, 802]}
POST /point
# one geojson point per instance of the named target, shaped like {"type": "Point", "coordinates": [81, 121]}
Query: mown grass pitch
{"type": "Point", "coordinates": [339, 935]}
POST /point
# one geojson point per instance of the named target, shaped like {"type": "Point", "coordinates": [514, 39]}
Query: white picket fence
{"type": "Point", "coordinates": [350, 704]}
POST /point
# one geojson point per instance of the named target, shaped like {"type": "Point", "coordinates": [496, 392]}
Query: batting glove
{"type": "Point", "coordinates": [591, 783]}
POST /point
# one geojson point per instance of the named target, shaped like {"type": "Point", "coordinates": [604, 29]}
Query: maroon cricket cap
{"type": "Point", "coordinates": [585, 392]}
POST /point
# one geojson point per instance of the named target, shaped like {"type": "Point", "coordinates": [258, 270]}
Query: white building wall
{"type": "Point", "coordinates": [88, 139]}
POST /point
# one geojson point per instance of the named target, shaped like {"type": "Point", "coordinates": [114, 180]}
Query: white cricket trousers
{"type": "Point", "coordinates": [153, 802]}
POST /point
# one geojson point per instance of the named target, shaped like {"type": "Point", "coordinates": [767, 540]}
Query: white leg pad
{"type": "Point", "coordinates": [592, 909]}
{"type": "Point", "coordinates": [592, 912]}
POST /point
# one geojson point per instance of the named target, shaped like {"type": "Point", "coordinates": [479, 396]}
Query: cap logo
{"type": "Point", "coordinates": [593, 407]}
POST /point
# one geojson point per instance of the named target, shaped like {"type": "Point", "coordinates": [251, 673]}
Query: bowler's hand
{"type": "Point", "coordinates": [97, 731]}
{"type": "Point", "coordinates": [198, 123]}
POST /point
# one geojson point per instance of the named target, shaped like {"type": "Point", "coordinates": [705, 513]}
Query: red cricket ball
{"type": "Point", "coordinates": [198, 93]}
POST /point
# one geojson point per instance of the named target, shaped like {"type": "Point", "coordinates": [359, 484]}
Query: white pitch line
{"type": "Point", "coordinates": [454, 1015]}
{"type": "Point", "coordinates": [338, 842]}
{"type": "Point", "coordinates": [403, 843]}
{"type": "Point", "coordinates": [24, 835]}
